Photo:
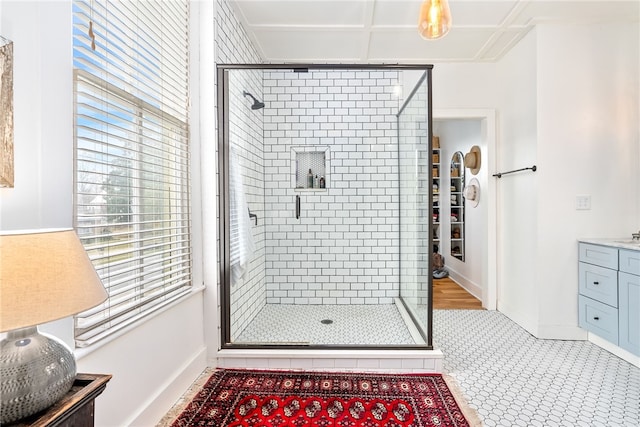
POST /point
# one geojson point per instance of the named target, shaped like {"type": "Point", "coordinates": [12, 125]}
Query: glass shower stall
{"type": "Point", "coordinates": [325, 206]}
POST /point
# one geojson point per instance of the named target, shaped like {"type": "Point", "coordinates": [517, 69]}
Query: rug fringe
{"type": "Point", "coordinates": [469, 413]}
{"type": "Point", "coordinates": [186, 398]}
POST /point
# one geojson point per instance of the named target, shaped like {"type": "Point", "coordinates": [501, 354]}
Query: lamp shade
{"type": "Point", "coordinates": [45, 275]}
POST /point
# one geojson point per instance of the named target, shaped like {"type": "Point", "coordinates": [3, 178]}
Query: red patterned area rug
{"type": "Point", "coordinates": [294, 398]}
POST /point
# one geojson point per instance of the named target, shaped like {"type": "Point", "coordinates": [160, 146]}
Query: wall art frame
{"type": "Point", "coordinates": [6, 113]}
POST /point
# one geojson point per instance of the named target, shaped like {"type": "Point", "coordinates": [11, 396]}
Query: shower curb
{"type": "Point", "coordinates": [410, 360]}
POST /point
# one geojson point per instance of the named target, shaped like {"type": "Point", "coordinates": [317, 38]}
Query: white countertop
{"type": "Point", "coordinates": [622, 243]}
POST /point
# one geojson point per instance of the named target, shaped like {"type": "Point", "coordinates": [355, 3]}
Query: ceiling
{"type": "Point", "coordinates": [385, 31]}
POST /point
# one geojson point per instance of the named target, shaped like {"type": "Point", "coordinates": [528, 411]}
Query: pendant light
{"type": "Point", "coordinates": [435, 19]}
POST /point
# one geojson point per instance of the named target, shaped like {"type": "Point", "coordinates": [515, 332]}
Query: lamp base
{"type": "Point", "coordinates": [36, 370]}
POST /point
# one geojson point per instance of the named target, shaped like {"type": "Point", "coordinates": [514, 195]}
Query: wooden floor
{"type": "Point", "coordinates": [447, 294]}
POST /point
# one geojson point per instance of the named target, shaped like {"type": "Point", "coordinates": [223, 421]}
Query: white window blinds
{"type": "Point", "coordinates": [132, 156]}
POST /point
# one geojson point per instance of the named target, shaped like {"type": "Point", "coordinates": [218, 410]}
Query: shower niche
{"type": "Point", "coordinates": [309, 168]}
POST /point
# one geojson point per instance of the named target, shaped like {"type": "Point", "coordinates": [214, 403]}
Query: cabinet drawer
{"type": "Point", "coordinates": [599, 255]}
{"type": "Point", "coordinates": [598, 283]}
{"type": "Point", "coordinates": [629, 312]}
{"type": "Point", "coordinates": [630, 261]}
{"type": "Point", "coordinates": [598, 318]}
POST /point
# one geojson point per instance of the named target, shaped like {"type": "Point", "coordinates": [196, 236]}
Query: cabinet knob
{"type": "Point", "coordinates": [596, 318]}
{"type": "Point", "coordinates": [596, 283]}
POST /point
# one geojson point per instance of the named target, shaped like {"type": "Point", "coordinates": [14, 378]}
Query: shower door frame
{"type": "Point", "coordinates": [410, 311]}
{"type": "Point", "coordinates": [224, 285]}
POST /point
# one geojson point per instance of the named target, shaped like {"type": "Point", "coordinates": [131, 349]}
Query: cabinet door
{"type": "Point", "coordinates": [630, 262]}
{"type": "Point", "coordinates": [629, 312]}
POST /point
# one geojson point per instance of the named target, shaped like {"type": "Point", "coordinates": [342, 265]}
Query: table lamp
{"type": "Point", "coordinates": [45, 275]}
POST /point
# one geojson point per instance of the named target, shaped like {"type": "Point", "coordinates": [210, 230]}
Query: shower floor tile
{"type": "Point", "coordinates": [350, 324]}
{"type": "Point", "coordinates": [514, 379]}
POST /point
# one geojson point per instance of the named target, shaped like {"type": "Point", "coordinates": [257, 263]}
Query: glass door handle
{"type": "Point", "coordinates": [297, 206]}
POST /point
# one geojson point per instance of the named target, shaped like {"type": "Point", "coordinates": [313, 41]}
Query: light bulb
{"type": "Point", "coordinates": [435, 19]}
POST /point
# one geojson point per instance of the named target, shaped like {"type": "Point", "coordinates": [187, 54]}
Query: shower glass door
{"type": "Point", "coordinates": [244, 191]}
{"type": "Point", "coordinates": [414, 157]}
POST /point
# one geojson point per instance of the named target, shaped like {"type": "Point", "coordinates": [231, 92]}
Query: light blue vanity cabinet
{"type": "Point", "coordinates": [629, 301]}
{"type": "Point", "coordinates": [609, 300]}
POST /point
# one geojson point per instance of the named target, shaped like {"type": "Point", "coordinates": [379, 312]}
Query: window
{"type": "Point", "coordinates": [132, 165]}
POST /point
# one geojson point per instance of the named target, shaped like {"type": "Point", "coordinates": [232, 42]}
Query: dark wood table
{"type": "Point", "coordinates": [75, 409]}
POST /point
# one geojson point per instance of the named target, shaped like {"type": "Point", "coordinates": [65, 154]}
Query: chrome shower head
{"type": "Point", "coordinates": [256, 104]}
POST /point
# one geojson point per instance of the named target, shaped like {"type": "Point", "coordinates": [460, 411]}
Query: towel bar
{"type": "Point", "coordinates": [499, 174]}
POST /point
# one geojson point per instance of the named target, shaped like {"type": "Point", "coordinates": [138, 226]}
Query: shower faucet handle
{"type": "Point", "coordinates": [253, 216]}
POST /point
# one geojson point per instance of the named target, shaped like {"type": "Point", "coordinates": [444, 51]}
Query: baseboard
{"type": "Point", "coordinates": [527, 323]}
{"type": "Point", "coordinates": [544, 332]}
{"type": "Point", "coordinates": [615, 350]}
{"type": "Point", "coordinates": [163, 400]}
{"type": "Point", "coordinates": [466, 284]}
{"type": "Point", "coordinates": [561, 332]}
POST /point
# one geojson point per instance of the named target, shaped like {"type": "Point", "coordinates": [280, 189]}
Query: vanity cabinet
{"type": "Point", "coordinates": [609, 300]}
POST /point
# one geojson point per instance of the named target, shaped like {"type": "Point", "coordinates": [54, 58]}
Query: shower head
{"type": "Point", "coordinates": [256, 104]}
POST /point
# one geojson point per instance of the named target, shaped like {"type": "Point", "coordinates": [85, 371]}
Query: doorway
{"type": "Point", "coordinates": [459, 130]}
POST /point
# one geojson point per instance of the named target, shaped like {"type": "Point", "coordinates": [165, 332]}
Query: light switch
{"type": "Point", "coordinates": [583, 203]}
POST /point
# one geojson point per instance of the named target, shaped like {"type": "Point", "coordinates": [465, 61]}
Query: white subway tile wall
{"type": "Point", "coordinates": [248, 296]}
{"type": "Point", "coordinates": [344, 248]}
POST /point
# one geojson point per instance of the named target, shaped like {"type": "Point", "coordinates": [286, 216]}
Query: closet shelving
{"type": "Point", "coordinates": [457, 210]}
{"type": "Point", "coordinates": [435, 177]}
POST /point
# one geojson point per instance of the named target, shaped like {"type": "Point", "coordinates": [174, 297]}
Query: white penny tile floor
{"type": "Point", "coordinates": [349, 324]}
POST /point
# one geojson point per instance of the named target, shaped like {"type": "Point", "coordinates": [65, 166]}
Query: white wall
{"type": "Point", "coordinates": [43, 144]}
{"type": "Point", "coordinates": [152, 365]}
{"type": "Point", "coordinates": [208, 182]}
{"type": "Point", "coordinates": [579, 126]}
{"type": "Point", "coordinates": [588, 144]}
{"type": "Point", "coordinates": [154, 362]}
{"type": "Point", "coordinates": [518, 195]}
{"type": "Point", "coordinates": [464, 86]}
